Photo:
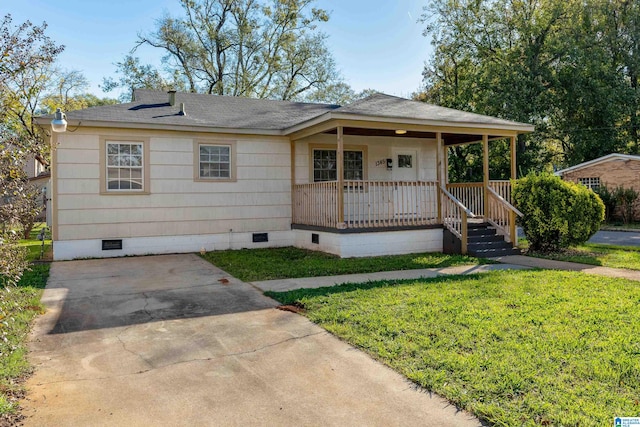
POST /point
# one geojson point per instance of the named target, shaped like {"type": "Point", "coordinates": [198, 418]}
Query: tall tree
{"type": "Point", "coordinates": [563, 65]}
{"type": "Point", "coordinates": [67, 90]}
{"type": "Point", "coordinates": [251, 48]}
{"type": "Point", "coordinates": [26, 56]}
{"type": "Point", "coordinates": [134, 75]}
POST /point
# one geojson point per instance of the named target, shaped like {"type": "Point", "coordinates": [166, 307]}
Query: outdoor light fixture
{"type": "Point", "coordinates": [401, 132]}
{"type": "Point", "coordinates": [59, 123]}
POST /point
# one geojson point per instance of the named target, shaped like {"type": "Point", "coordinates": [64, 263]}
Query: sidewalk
{"type": "Point", "coordinates": [511, 262]}
{"type": "Point", "coordinates": [526, 261]}
{"type": "Point", "coordinates": [281, 285]}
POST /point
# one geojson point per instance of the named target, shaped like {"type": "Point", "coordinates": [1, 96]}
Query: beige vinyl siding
{"type": "Point", "coordinates": [259, 201]}
{"type": "Point", "coordinates": [169, 228]}
{"type": "Point", "coordinates": [378, 148]}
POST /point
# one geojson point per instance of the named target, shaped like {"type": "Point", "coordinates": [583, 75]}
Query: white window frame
{"type": "Point", "coordinates": [344, 168]}
{"type": "Point", "coordinates": [129, 168]}
{"type": "Point", "coordinates": [198, 162]}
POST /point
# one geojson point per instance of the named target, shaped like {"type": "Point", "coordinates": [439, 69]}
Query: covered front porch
{"type": "Point", "coordinates": [425, 200]}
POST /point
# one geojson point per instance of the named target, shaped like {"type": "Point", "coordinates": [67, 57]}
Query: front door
{"type": "Point", "coordinates": [405, 169]}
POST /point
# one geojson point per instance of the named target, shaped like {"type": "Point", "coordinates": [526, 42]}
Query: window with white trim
{"type": "Point", "coordinates": [215, 161]}
{"type": "Point", "coordinates": [592, 183]}
{"type": "Point", "coordinates": [125, 166]}
{"type": "Point", "coordinates": [325, 165]}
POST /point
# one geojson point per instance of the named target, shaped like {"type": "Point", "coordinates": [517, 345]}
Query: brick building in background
{"type": "Point", "coordinates": [613, 170]}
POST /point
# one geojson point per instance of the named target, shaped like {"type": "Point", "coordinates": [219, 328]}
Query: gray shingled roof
{"type": "Point", "coordinates": [381, 105]}
{"type": "Point", "coordinates": [152, 107]}
{"type": "Point", "coordinates": [227, 112]}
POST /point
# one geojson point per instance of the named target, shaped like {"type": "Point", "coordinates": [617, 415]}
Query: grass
{"type": "Point", "coordinates": [598, 254]}
{"type": "Point", "coordinates": [19, 305]}
{"type": "Point", "coordinates": [514, 347]}
{"type": "Point", "coordinates": [34, 246]}
{"type": "Point", "coordinates": [282, 263]}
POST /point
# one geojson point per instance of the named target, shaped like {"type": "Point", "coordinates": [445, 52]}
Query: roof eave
{"type": "Point", "coordinates": [595, 162]}
{"type": "Point", "coordinates": [326, 117]}
{"type": "Point", "coordinates": [43, 121]}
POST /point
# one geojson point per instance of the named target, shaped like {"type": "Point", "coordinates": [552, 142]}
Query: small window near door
{"type": "Point", "coordinates": [405, 161]}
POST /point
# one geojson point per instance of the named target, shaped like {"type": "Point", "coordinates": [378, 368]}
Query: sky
{"type": "Point", "coordinates": [377, 44]}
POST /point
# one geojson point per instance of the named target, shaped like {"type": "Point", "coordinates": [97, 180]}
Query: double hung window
{"type": "Point", "coordinates": [325, 165]}
{"type": "Point", "coordinates": [215, 161]}
{"type": "Point", "coordinates": [125, 166]}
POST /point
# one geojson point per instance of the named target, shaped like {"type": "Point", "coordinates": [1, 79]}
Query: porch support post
{"type": "Point", "coordinates": [441, 158]}
{"type": "Point", "coordinates": [340, 173]}
{"type": "Point", "coordinates": [513, 157]}
{"type": "Point", "coordinates": [485, 171]}
{"type": "Point", "coordinates": [293, 180]}
{"type": "Point", "coordinates": [440, 153]}
{"type": "Point", "coordinates": [512, 215]}
{"type": "Point", "coordinates": [445, 154]}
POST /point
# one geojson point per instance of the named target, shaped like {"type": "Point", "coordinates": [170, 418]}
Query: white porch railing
{"type": "Point", "coordinates": [384, 204]}
{"type": "Point", "coordinates": [470, 194]}
{"type": "Point", "coordinates": [371, 204]}
{"type": "Point", "coordinates": [455, 217]}
{"type": "Point", "coordinates": [502, 188]}
{"type": "Point", "coordinates": [502, 215]}
{"type": "Point", "coordinates": [367, 204]}
{"type": "Point", "coordinates": [316, 204]}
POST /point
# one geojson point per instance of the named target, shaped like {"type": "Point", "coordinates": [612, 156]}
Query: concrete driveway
{"type": "Point", "coordinates": [172, 340]}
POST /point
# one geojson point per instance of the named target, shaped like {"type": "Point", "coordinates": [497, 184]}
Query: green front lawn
{"type": "Point", "coordinates": [35, 247]}
{"type": "Point", "coordinates": [598, 254]}
{"type": "Point", "coordinates": [281, 263]}
{"type": "Point", "coordinates": [513, 347]}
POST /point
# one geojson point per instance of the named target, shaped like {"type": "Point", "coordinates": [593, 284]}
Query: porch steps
{"type": "Point", "coordinates": [482, 241]}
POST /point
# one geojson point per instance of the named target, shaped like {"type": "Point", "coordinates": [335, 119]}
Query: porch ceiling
{"type": "Point", "coordinates": [448, 138]}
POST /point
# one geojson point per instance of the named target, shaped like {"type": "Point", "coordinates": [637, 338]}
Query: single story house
{"type": "Point", "coordinates": [613, 170]}
{"type": "Point", "coordinates": [183, 172]}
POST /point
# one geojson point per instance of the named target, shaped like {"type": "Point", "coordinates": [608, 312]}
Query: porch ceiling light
{"type": "Point", "coordinates": [400, 131]}
{"type": "Point", "coordinates": [59, 122]}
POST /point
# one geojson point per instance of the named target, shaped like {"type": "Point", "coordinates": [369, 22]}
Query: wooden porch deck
{"type": "Point", "coordinates": [393, 205]}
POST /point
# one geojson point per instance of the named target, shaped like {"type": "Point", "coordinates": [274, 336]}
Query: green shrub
{"type": "Point", "coordinates": [557, 214]}
{"type": "Point", "coordinates": [610, 200]}
{"type": "Point", "coordinates": [626, 197]}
